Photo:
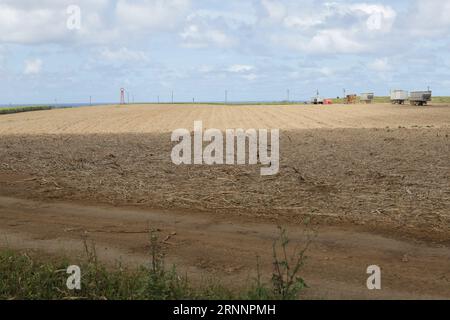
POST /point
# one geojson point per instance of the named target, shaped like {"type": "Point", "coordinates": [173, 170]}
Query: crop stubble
{"type": "Point", "coordinates": [381, 166]}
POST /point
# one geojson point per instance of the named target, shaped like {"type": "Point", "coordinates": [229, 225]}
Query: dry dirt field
{"type": "Point", "coordinates": [166, 118]}
{"type": "Point", "coordinates": [373, 182]}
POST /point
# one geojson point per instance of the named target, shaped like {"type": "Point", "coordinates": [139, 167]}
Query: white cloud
{"type": "Point", "coordinates": [123, 55]}
{"type": "Point", "coordinates": [377, 17]}
{"type": "Point", "coordinates": [250, 77]}
{"type": "Point", "coordinates": [151, 14]}
{"type": "Point", "coordinates": [205, 69]}
{"type": "Point", "coordinates": [102, 21]}
{"type": "Point", "coordinates": [33, 67]}
{"type": "Point", "coordinates": [326, 71]}
{"type": "Point", "coordinates": [380, 65]}
{"type": "Point", "coordinates": [32, 22]}
{"type": "Point", "coordinates": [275, 10]}
{"type": "Point", "coordinates": [27, 26]}
{"type": "Point", "coordinates": [331, 40]}
{"type": "Point", "coordinates": [244, 71]}
{"type": "Point", "coordinates": [240, 68]}
{"type": "Point", "coordinates": [302, 22]}
{"type": "Point", "coordinates": [324, 42]}
{"type": "Point", "coordinates": [428, 18]}
{"type": "Point", "coordinates": [195, 36]}
{"type": "Point", "coordinates": [328, 27]}
{"type": "Point", "coordinates": [235, 41]}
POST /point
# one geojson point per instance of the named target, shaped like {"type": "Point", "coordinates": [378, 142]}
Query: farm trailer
{"type": "Point", "coordinates": [399, 96]}
{"type": "Point", "coordinates": [420, 98]}
{"type": "Point", "coordinates": [367, 97]}
{"type": "Point", "coordinates": [317, 100]}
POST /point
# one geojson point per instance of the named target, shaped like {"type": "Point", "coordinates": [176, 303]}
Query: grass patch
{"type": "Point", "coordinates": [23, 109]}
{"type": "Point", "coordinates": [24, 277]}
{"type": "Point", "coordinates": [441, 99]}
{"type": "Point", "coordinates": [375, 100]}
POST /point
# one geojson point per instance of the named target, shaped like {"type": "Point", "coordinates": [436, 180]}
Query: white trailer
{"type": "Point", "coordinates": [367, 97]}
{"type": "Point", "coordinates": [399, 96]}
{"type": "Point", "coordinates": [317, 100]}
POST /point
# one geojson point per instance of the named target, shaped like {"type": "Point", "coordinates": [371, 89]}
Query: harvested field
{"type": "Point", "coordinates": [379, 170]}
{"type": "Point", "coordinates": [166, 118]}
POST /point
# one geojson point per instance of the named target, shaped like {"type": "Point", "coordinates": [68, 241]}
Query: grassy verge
{"type": "Point", "coordinates": [441, 99]}
{"type": "Point", "coordinates": [24, 277]}
{"type": "Point", "coordinates": [23, 109]}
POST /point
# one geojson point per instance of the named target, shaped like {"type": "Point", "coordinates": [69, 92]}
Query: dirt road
{"type": "Point", "coordinates": [210, 246]}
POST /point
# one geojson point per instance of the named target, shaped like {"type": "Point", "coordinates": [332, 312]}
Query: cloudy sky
{"type": "Point", "coordinates": [255, 49]}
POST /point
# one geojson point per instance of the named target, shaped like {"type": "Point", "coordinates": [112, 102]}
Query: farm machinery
{"type": "Point", "coordinates": [420, 98]}
{"type": "Point", "coordinates": [317, 99]}
{"type": "Point", "coordinates": [416, 98]}
{"type": "Point", "coordinates": [367, 97]}
{"type": "Point", "coordinates": [399, 96]}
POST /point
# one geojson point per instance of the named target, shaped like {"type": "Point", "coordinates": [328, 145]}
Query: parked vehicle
{"type": "Point", "coordinates": [399, 96]}
{"type": "Point", "coordinates": [317, 100]}
{"type": "Point", "coordinates": [367, 97]}
{"type": "Point", "coordinates": [420, 98]}
{"type": "Point", "coordinates": [351, 99]}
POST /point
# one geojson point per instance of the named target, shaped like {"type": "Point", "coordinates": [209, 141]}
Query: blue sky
{"type": "Point", "coordinates": [255, 49]}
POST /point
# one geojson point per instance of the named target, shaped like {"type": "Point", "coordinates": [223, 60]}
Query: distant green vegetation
{"type": "Point", "coordinates": [441, 99]}
{"type": "Point", "coordinates": [23, 109]}
{"type": "Point", "coordinates": [375, 100]}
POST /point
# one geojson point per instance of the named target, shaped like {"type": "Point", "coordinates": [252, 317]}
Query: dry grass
{"type": "Point", "coordinates": [390, 178]}
{"type": "Point", "coordinates": [166, 118]}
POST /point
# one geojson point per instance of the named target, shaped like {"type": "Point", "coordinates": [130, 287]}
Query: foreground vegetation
{"type": "Point", "coordinates": [23, 109]}
{"type": "Point", "coordinates": [23, 277]}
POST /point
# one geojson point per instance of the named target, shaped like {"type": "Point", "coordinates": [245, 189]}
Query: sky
{"type": "Point", "coordinates": [256, 50]}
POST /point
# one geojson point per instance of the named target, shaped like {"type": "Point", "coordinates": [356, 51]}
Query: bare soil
{"type": "Point", "coordinates": [225, 249]}
{"type": "Point", "coordinates": [374, 182]}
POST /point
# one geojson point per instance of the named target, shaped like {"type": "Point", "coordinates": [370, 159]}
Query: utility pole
{"type": "Point", "coordinates": [288, 95]}
{"type": "Point", "coordinates": [128, 97]}
{"type": "Point", "coordinates": [172, 96]}
{"type": "Point", "coordinates": [158, 99]}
